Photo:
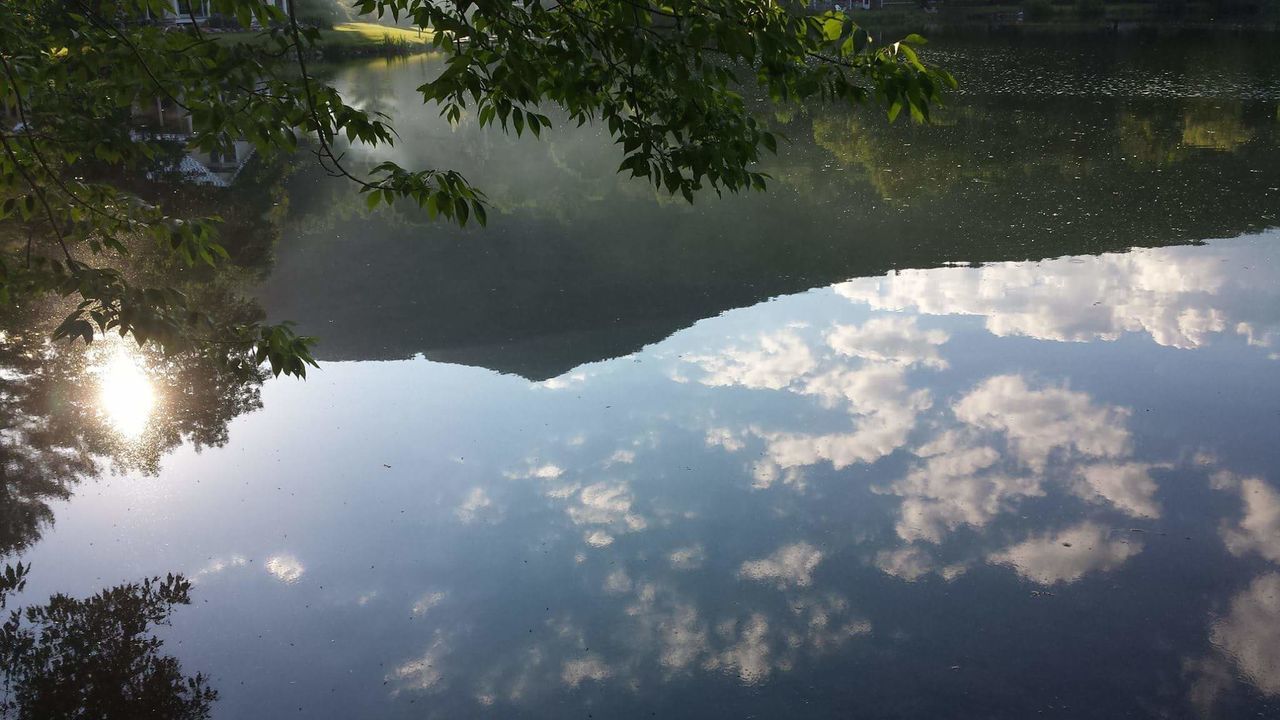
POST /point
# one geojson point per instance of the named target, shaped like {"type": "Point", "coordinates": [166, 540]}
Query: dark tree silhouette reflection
{"type": "Point", "coordinates": [97, 657]}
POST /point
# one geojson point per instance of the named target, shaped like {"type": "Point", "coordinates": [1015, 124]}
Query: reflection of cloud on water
{"type": "Point", "coordinates": [913, 562]}
{"type": "Point", "coordinates": [885, 412]}
{"type": "Point", "coordinates": [657, 629]}
{"type": "Point", "coordinates": [1003, 441]}
{"type": "Point", "coordinates": [423, 673]}
{"type": "Point", "coordinates": [606, 503]}
{"type": "Point", "coordinates": [683, 638]}
{"type": "Point", "coordinates": [285, 568]}
{"type": "Point", "coordinates": [724, 438]}
{"type": "Point", "coordinates": [1067, 555]}
{"type": "Point", "coordinates": [1179, 296]}
{"type": "Point", "coordinates": [1038, 422]}
{"type": "Point", "coordinates": [958, 483]}
{"type": "Point", "coordinates": [617, 583]}
{"type": "Point", "coordinates": [602, 509]}
{"type": "Point", "coordinates": [424, 604]}
{"type": "Point", "coordinates": [688, 558]}
{"type": "Point", "coordinates": [749, 654]}
{"type": "Point", "coordinates": [862, 370]}
{"type": "Point", "coordinates": [756, 647]}
{"type": "Point", "coordinates": [562, 382]}
{"type": "Point", "coordinates": [750, 647]}
{"type": "Point", "coordinates": [780, 359]}
{"type": "Point", "coordinates": [972, 466]}
{"type": "Point", "coordinates": [621, 457]}
{"type": "Point", "coordinates": [577, 671]}
{"type": "Point", "coordinates": [997, 452]}
{"type": "Point", "coordinates": [1259, 529]}
{"type": "Point", "coordinates": [1125, 485]}
{"type": "Point", "coordinates": [890, 338]}
{"type": "Point", "coordinates": [1249, 634]}
{"type": "Point", "coordinates": [477, 504]}
{"type": "Point", "coordinates": [534, 470]}
{"type": "Point", "coordinates": [218, 565]}
{"type": "Point", "coordinates": [791, 565]}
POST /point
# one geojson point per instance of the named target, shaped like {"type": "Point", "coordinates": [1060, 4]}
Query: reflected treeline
{"type": "Point", "coordinates": [61, 404]}
{"type": "Point", "coordinates": [97, 657]}
{"type": "Point", "coordinates": [580, 264]}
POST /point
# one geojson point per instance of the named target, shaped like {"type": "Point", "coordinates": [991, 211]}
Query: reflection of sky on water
{"type": "Point", "coordinates": [991, 484]}
{"type": "Point", "coordinates": [1178, 296]}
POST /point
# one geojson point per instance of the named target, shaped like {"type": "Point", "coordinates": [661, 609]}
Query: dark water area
{"type": "Point", "coordinates": [974, 420]}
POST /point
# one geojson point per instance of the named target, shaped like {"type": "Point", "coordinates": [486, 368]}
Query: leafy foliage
{"type": "Point", "coordinates": [669, 81]}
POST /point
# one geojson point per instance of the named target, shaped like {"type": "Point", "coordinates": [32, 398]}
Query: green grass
{"type": "Point", "coordinates": [363, 33]}
{"type": "Point", "coordinates": [353, 36]}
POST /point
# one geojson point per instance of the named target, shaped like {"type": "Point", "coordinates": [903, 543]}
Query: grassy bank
{"type": "Point", "coordinates": [357, 39]}
{"type": "Point", "coordinates": [363, 34]}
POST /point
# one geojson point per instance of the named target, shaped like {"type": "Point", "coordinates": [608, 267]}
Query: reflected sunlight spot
{"type": "Point", "coordinates": [125, 395]}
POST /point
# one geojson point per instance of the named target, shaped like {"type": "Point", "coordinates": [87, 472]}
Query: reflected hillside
{"type": "Point", "coordinates": [579, 264]}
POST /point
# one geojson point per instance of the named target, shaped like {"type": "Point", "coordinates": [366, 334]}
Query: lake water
{"type": "Point", "coordinates": [972, 420]}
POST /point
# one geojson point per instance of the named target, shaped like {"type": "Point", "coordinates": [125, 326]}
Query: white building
{"type": "Point", "coordinates": [185, 12]}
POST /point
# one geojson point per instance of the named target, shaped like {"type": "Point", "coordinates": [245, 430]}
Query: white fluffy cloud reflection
{"type": "Point", "coordinates": [1178, 296]}
{"type": "Point", "coordinates": [878, 384]}
{"type": "Point", "coordinates": [1249, 633]}
{"type": "Point", "coordinates": [859, 369]}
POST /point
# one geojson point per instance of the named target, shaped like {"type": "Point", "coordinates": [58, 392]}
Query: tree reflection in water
{"type": "Point", "coordinates": [97, 657]}
{"type": "Point", "coordinates": [69, 412]}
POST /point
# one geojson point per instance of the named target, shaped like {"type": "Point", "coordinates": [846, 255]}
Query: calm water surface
{"type": "Point", "coordinates": [977, 420]}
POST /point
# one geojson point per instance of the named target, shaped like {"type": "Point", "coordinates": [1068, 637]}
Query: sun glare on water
{"type": "Point", "coordinates": [125, 395]}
